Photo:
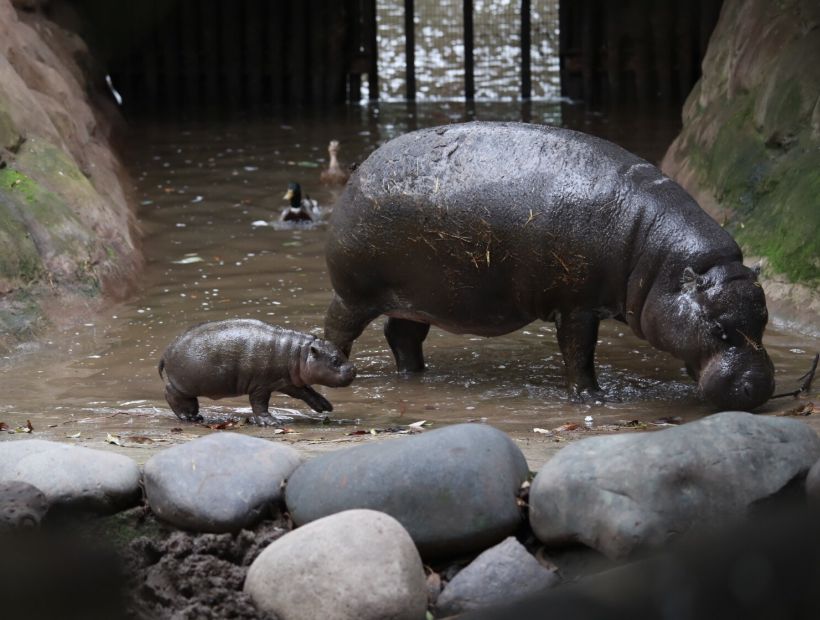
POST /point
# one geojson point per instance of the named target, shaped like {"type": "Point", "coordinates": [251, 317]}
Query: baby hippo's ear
{"type": "Point", "coordinates": [315, 349]}
{"type": "Point", "coordinates": [691, 281]}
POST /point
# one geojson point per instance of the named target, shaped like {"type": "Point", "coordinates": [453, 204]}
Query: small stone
{"type": "Point", "coordinates": [454, 489]}
{"type": "Point", "coordinates": [218, 483]}
{"type": "Point", "coordinates": [502, 574]}
{"type": "Point", "coordinates": [621, 493]}
{"type": "Point", "coordinates": [72, 476]}
{"type": "Point", "coordinates": [21, 505]}
{"type": "Point", "coordinates": [357, 565]}
{"type": "Point", "coordinates": [813, 485]}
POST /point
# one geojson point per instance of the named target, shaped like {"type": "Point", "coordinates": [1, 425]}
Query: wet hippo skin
{"type": "Point", "coordinates": [246, 356]}
{"type": "Point", "coordinates": [484, 227]}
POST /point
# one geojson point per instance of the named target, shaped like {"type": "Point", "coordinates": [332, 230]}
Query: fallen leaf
{"type": "Point", "coordinates": [802, 410]}
{"type": "Point", "coordinates": [668, 421]}
{"type": "Point", "coordinates": [140, 439]}
{"type": "Point", "coordinates": [359, 432]}
{"type": "Point", "coordinates": [569, 426]}
{"type": "Point", "coordinates": [176, 429]}
{"type": "Point", "coordinates": [631, 424]}
{"type": "Point", "coordinates": [284, 431]}
{"type": "Point", "coordinates": [4, 426]}
{"type": "Point", "coordinates": [115, 439]}
{"type": "Point", "coordinates": [542, 431]}
{"type": "Point", "coordinates": [419, 424]}
{"type": "Point", "coordinates": [74, 436]}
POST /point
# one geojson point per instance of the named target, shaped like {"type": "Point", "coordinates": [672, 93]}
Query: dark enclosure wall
{"type": "Point", "coordinates": [185, 56]}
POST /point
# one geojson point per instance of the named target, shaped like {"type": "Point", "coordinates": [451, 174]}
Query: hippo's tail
{"type": "Point", "coordinates": [161, 367]}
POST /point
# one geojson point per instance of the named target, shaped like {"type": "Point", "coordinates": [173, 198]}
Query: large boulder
{"type": "Point", "coordinates": [454, 489]}
{"type": "Point", "coordinates": [618, 494]}
{"type": "Point", "coordinates": [218, 483]}
{"type": "Point", "coordinates": [500, 575]}
{"type": "Point", "coordinates": [72, 477]}
{"type": "Point", "coordinates": [357, 565]}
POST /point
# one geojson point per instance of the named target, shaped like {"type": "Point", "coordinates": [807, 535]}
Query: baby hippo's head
{"type": "Point", "coordinates": [327, 365]}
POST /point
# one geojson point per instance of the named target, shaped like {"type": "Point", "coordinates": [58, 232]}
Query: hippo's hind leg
{"type": "Point", "coordinates": [405, 338]}
{"type": "Point", "coordinates": [260, 401]}
{"type": "Point", "coordinates": [185, 407]}
{"type": "Point", "coordinates": [577, 332]}
{"type": "Point", "coordinates": [344, 323]}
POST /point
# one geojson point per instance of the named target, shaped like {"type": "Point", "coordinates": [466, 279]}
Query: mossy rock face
{"type": "Point", "coordinates": [64, 246]}
{"type": "Point", "coordinates": [20, 262]}
{"type": "Point", "coordinates": [750, 145]}
{"type": "Point", "coordinates": [9, 135]}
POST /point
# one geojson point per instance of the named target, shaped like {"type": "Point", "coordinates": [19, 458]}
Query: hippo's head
{"type": "Point", "coordinates": [326, 365]}
{"type": "Point", "coordinates": [715, 323]}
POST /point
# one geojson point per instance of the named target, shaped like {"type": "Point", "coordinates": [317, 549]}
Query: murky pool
{"type": "Point", "coordinates": [205, 193]}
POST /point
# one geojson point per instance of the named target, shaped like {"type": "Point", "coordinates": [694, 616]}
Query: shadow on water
{"type": "Point", "coordinates": [207, 190]}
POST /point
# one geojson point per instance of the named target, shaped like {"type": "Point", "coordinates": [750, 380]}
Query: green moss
{"type": "Point", "coordinates": [773, 194]}
{"type": "Point", "coordinates": [785, 225]}
{"type": "Point", "coordinates": [20, 262]}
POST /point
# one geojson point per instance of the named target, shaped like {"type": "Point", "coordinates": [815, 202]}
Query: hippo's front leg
{"type": "Point", "coordinates": [577, 332]}
{"type": "Point", "coordinates": [344, 323]}
{"type": "Point", "coordinates": [315, 401]}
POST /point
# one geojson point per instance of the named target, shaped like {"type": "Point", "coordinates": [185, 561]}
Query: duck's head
{"type": "Point", "coordinates": [294, 194]}
{"type": "Point", "coordinates": [333, 148]}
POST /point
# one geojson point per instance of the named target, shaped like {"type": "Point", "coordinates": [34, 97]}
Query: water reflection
{"type": "Point", "coordinates": [201, 187]}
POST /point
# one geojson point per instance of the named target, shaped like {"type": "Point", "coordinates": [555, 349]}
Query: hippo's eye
{"type": "Point", "coordinates": [718, 331]}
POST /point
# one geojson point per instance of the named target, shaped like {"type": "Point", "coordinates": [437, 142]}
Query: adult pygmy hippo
{"type": "Point", "coordinates": [484, 227]}
{"type": "Point", "coordinates": [246, 356]}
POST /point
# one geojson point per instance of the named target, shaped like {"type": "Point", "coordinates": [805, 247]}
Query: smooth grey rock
{"type": "Point", "coordinates": [502, 574]}
{"type": "Point", "coordinates": [454, 489]}
{"type": "Point", "coordinates": [72, 476]}
{"type": "Point", "coordinates": [218, 483]}
{"type": "Point", "coordinates": [621, 493]}
{"type": "Point", "coordinates": [813, 485]}
{"type": "Point", "coordinates": [357, 564]}
{"type": "Point", "coordinates": [21, 505]}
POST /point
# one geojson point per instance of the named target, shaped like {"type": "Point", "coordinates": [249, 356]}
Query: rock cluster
{"type": "Point", "coordinates": [367, 515]}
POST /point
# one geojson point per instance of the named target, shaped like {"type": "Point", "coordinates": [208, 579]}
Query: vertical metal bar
{"type": "Point", "coordinates": [410, 47]}
{"type": "Point", "coordinates": [373, 56]}
{"type": "Point", "coordinates": [526, 40]}
{"type": "Point", "coordinates": [469, 67]}
{"type": "Point", "coordinates": [253, 52]}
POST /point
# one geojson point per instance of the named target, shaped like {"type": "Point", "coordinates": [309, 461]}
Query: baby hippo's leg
{"type": "Point", "coordinates": [185, 407]}
{"type": "Point", "coordinates": [316, 401]}
{"type": "Point", "coordinates": [260, 399]}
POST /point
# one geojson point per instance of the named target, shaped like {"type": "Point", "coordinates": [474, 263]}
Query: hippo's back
{"type": "Point", "coordinates": [525, 216]}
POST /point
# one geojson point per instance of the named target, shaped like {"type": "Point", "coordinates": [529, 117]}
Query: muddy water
{"type": "Point", "coordinates": [205, 193]}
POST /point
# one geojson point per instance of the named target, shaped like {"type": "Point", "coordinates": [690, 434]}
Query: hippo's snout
{"type": "Point", "coordinates": [347, 372]}
{"type": "Point", "coordinates": [738, 379]}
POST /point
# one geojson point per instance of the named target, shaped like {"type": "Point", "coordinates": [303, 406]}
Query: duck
{"type": "Point", "coordinates": [334, 174]}
{"type": "Point", "coordinates": [300, 209]}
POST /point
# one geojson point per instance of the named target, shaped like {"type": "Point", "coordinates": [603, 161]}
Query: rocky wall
{"type": "Point", "coordinates": [67, 232]}
{"type": "Point", "coordinates": [749, 150]}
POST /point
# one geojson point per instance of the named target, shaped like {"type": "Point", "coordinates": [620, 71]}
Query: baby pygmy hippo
{"type": "Point", "coordinates": [246, 356]}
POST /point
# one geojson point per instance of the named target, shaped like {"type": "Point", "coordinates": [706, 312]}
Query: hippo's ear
{"type": "Point", "coordinates": [690, 281]}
